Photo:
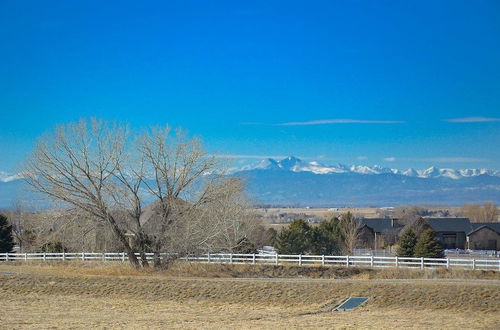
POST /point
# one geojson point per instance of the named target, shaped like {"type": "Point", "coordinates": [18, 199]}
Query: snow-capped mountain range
{"type": "Point", "coordinates": [291, 181]}
{"type": "Point", "coordinates": [295, 164]}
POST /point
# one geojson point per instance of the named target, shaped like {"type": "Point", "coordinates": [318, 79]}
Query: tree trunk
{"type": "Point", "coordinates": [126, 245]}
{"type": "Point", "coordinates": [144, 259]}
{"type": "Point", "coordinates": [157, 260]}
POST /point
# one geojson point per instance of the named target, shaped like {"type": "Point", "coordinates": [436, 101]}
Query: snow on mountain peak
{"type": "Point", "coordinates": [295, 164]}
{"type": "Point", "coordinates": [267, 163]}
{"type": "Point", "coordinates": [410, 172]}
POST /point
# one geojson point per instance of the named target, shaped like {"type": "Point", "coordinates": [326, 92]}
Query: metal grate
{"type": "Point", "coordinates": [351, 303]}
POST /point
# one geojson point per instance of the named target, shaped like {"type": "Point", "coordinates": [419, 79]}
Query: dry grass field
{"type": "Point", "coordinates": [93, 295]}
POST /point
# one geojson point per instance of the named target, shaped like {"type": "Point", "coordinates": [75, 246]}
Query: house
{"type": "Point", "coordinates": [451, 232]}
{"type": "Point", "coordinates": [460, 233]}
{"type": "Point", "coordinates": [484, 236]}
{"type": "Point", "coordinates": [377, 232]}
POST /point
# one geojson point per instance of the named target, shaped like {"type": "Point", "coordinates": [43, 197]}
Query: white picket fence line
{"type": "Point", "coordinates": [281, 259]}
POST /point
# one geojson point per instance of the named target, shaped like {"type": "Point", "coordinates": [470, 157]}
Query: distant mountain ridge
{"type": "Point", "coordinates": [293, 181]}
{"type": "Point", "coordinates": [295, 164]}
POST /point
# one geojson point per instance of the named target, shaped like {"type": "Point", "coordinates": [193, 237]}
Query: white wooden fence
{"type": "Point", "coordinates": [281, 259]}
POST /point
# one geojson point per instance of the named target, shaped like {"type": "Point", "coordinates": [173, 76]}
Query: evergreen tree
{"type": "Point", "coordinates": [295, 239]}
{"type": "Point", "coordinates": [428, 246]}
{"type": "Point", "coordinates": [407, 243]}
{"type": "Point", "coordinates": [6, 240]}
{"type": "Point", "coordinates": [327, 238]}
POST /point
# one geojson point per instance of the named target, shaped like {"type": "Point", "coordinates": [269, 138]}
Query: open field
{"type": "Point", "coordinates": [324, 213]}
{"type": "Point", "coordinates": [271, 216]}
{"type": "Point", "coordinates": [114, 296]}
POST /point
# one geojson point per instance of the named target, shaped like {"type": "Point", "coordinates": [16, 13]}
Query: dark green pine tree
{"type": "Point", "coordinates": [327, 237]}
{"type": "Point", "coordinates": [294, 239]}
{"type": "Point", "coordinates": [407, 243]}
{"type": "Point", "coordinates": [428, 246]}
{"type": "Point", "coordinates": [6, 240]}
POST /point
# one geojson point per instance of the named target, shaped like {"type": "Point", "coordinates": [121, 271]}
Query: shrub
{"type": "Point", "coordinates": [53, 247]}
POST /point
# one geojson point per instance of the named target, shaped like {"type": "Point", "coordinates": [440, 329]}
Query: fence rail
{"type": "Point", "coordinates": [277, 259]}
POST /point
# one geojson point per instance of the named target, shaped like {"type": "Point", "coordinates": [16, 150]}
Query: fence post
{"type": "Point", "coordinates": [103, 256]}
{"type": "Point", "coordinates": [447, 263]}
{"type": "Point", "coordinates": [300, 259]}
{"type": "Point", "coordinates": [422, 263]}
{"type": "Point", "coordinates": [473, 263]}
{"type": "Point", "coordinates": [347, 261]}
{"type": "Point", "coordinates": [123, 256]}
{"type": "Point", "coordinates": [44, 256]}
{"type": "Point", "coordinates": [371, 261]}
{"type": "Point", "coordinates": [397, 262]}
{"type": "Point", "coordinates": [83, 256]}
{"type": "Point", "coordinates": [276, 259]}
{"type": "Point", "coordinates": [230, 258]}
{"type": "Point", "coordinates": [25, 256]}
{"type": "Point", "coordinates": [7, 256]}
{"type": "Point", "coordinates": [253, 259]}
{"type": "Point", "coordinates": [323, 260]}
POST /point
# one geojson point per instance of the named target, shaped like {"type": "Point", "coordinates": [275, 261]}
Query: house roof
{"type": "Point", "coordinates": [478, 225]}
{"type": "Point", "coordinates": [449, 224]}
{"type": "Point", "coordinates": [378, 225]}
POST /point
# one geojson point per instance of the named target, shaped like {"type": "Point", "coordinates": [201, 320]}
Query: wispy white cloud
{"type": "Point", "coordinates": [473, 120]}
{"type": "Point", "coordinates": [362, 158]}
{"type": "Point", "coordinates": [390, 159]}
{"type": "Point", "coordinates": [339, 121]}
{"type": "Point", "coordinates": [8, 177]}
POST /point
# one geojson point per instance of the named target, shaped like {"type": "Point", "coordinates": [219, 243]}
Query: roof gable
{"type": "Point", "coordinates": [449, 224]}
{"type": "Point", "coordinates": [379, 225]}
{"type": "Point", "coordinates": [495, 226]}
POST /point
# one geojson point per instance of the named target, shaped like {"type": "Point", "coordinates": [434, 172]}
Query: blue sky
{"type": "Point", "coordinates": [396, 83]}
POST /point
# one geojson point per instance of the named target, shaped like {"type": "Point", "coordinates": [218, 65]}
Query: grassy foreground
{"type": "Point", "coordinates": [115, 296]}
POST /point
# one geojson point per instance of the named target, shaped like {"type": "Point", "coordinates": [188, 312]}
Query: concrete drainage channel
{"type": "Point", "coordinates": [350, 304]}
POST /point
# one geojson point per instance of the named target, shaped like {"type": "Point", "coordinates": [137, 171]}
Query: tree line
{"type": "Point", "coordinates": [424, 245]}
{"type": "Point", "coordinates": [330, 237]}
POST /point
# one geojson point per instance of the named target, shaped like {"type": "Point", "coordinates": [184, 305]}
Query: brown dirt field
{"type": "Point", "coordinates": [182, 269]}
{"type": "Point", "coordinates": [34, 296]}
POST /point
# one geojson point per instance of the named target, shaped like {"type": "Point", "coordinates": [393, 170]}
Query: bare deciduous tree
{"type": "Point", "coordinates": [409, 214]}
{"type": "Point", "coordinates": [488, 212]}
{"type": "Point", "coordinates": [100, 169]}
{"type": "Point", "coordinates": [76, 165]}
{"type": "Point", "coordinates": [350, 227]}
